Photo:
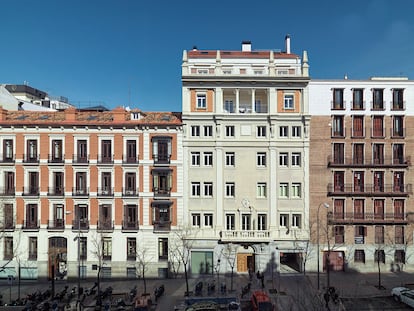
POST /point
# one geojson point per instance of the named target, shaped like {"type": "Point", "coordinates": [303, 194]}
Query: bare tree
{"type": "Point", "coordinates": [100, 251]}
{"type": "Point", "coordinates": [143, 262]}
{"type": "Point", "coordinates": [230, 253]}
{"type": "Point", "coordinates": [174, 260]}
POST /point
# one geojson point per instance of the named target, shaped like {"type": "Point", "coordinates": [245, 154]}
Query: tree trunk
{"type": "Point", "coordinates": [186, 280]}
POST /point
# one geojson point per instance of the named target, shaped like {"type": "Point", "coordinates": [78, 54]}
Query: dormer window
{"type": "Point", "coordinates": [135, 116]}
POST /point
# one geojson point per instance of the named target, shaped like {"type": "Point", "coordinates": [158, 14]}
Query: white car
{"type": "Point", "coordinates": [404, 295]}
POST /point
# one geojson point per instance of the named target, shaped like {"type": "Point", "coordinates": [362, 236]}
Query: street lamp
{"type": "Point", "coordinates": [326, 205]}
{"type": "Point", "coordinates": [78, 240]}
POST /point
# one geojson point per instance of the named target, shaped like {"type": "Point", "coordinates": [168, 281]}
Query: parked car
{"type": "Point", "coordinates": [261, 301]}
{"type": "Point", "coordinates": [234, 306]}
{"type": "Point", "coordinates": [404, 295]}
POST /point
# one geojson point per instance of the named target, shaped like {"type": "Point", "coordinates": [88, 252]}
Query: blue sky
{"type": "Point", "coordinates": [128, 52]}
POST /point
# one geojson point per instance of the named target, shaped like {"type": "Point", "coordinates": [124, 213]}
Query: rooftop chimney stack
{"type": "Point", "coordinates": [246, 46]}
{"type": "Point", "coordinates": [287, 43]}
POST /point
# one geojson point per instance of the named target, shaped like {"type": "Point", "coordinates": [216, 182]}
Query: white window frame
{"type": "Point", "coordinates": [196, 220]}
{"type": "Point", "coordinates": [261, 222]}
{"type": "Point", "coordinates": [208, 189]}
{"type": "Point", "coordinates": [296, 131]}
{"type": "Point", "coordinates": [208, 220]}
{"type": "Point", "coordinates": [296, 190]}
{"type": "Point", "coordinates": [230, 159]}
{"type": "Point", "coordinates": [261, 191]}
{"type": "Point", "coordinates": [230, 221]}
{"type": "Point", "coordinates": [195, 158]}
{"type": "Point", "coordinates": [283, 159]}
{"type": "Point", "coordinates": [261, 159]}
{"type": "Point", "coordinates": [208, 131]}
{"type": "Point", "coordinates": [296, 221]}
{"type": "Point", "coordinates": [284, 190]}
{"type": "Point", "coordinates": [230, 189]}
{"type": "Point", "coordinates": [261, 131]}
{"type": "Point", "coordinates": [230, 130]}
{"type": "Point", "coordinates": [283, 131]}
{"type": "Point", "coordinates": [201, 100]}
{"type": "Point", "coordinates": [289, 101]}
{"type": "Point", "coordinates": [208, 158]}
{"type": "Point", "coordinates": [284, 220]}
{"type": "Point", "coordinates": [195, 189]}
{"type": "Point", "coordinates": [195, 130]}
{"type": "Point", "coordinates": [296, 159]}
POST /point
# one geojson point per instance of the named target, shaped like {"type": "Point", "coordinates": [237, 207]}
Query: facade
{"type": "Point", "coordinates": [245, 151]}
{"type": "Point", "coordinates": [88, 189]}
{"type": "Point", "coordinates": [361, 180]}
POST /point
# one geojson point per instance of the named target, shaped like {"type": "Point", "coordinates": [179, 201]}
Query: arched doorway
{"type": "Point", "coordinates": [57, 262]}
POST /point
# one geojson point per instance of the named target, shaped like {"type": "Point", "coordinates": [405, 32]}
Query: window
{"type": "Point", "coordinates": [195, 130]}
{"type": "Point", "coordinates": [358, 99]}
{"type": "Point", "coordinates": [379, 256]}
{"type": "Point", "coordinates": [195, 158]}
{"type": "Point", "coordinates": [8, 219]}
{"type": "Point", "coordinates": [106, 183]}
{"type": "Point", "coordinates": [8, 152]}
{"type": "Point", "coordinates": [398, 209]}
{"type": "Point", "coordinates": [338, 129]}
{"type": "Point", "coordinates": [339, 207]}
{"type": "Point", "coordinates": [32, 248]}
{"type": "Point", "coordinates": [106, 146]}
{"type": "Point", "coordinates": [339, 234]}
{"type": "Point", "coordinates": [399, 235]}
{"type": "Point", "coordinates": [230, 189]}
{"type": "Point", "coordinates": [208, 189]}
{"type": "Point", "coordinates": [358, 126]}
{"type": "Point", "coordinates": [359, 209]}
{"type": "Point", "coordinates": [31, 155]}
{"type": "Point", "coordinates": [228, 106]}
{"type": "Point", "coordinates": [82, 151]}
{"type": "Point", "coordinates": [261, 159]}
{"type": "Point", "coordinates": [195, 189]}
{"type": "Point", "coordinates": [230, 221]}
{"type": "Point", "coordinates": [379, 209]}
{"type": "Point", "coordinates": [289, 102]}
{"type": "Point", "coordinates": [208, 158]}
{"type": "Point", "coordinates": [8, 248]}
{"type": "Point", "coordinates": [339, 180]}
{"type": "Point", "coordinates": [208, 220]}
{"type": "Point", "coordinates": [398, 99]}
{"type": "Point", "coordinates": [246, 220]}
{"type": "Point", "coordinates": [378, 126]}
{"type": "Point", "coordinates": [358, 153]}
{"type": "Point", "coordinates": [163, 248]}
{"type": "Point", "coordinates": [399, 256]}
{"type": "Point", "coordinates": [161, 149]}
{"type": "Point", "coordinates": [379, 234]}
{"type": "Point", "coordinates": [283, 159]}
{"type": "Point", "coordinates": [57, 152]}
{"type": "Point", "coordinates": [338, 153]}
{"type": "Point", "coordinates": [261, 222]}
{"type": "Point", "coordinates": [33, 184]}
{"type": "Point", "coordinates": [31, 221]}
{"type": "Point", "coordinates": [359, 256]}
{"type": "Point", "coordinates": [398, 183]}
{"type": "Point", "coordinates": [230, 159]}
{"type": "Point", "coordinates": [83, 247]}
{"type": "Point", "coordinates": [296, 131]}
{"type": "Point", "coordinates": [162, 181]}
{"type": "Point", "coordinates": [296, 221]}
{"type": "Point", "coordinates": [360, 233]}
{"type": "Point", "coordinates": [201, 101]}
{"type": "Point", "coordinates": [130, 221]}
{"type": "Point", "coordinates": [208, 131]}
{"type": "Point", "coordinates": [284, 220]}
{"type": "Point", "coordinates": [261, 131]}
{"type": "Point", "coordinates": [107, 248]}
{"type": "Point", "coordinates": [283, 190]}
{"type": "Point", "coordinates": [196, 218]}
{"type": "Point", "coordinates": [378, 181]}
{"type": "Point", "coordinates": [296, 159]}
{"type": "Point", "coordinates": [398, 126]}
{"type": "Point", "coordinates": [296, 190]}
{"type": "Point", "coordinates": [161, 215]}
{"type": "Point", "coordinates": [131, 249]}
{"type": "Point", "coordinates": [105, 218]}
{"type": "Point", "coordinates": [377, 99]}
{"type": "Point", "coordinates": [338, 99]}
{"type": "Point", "coordinates": [130, 183]}
{"type": "Point", "coordinates": [131, 151]}
{"type": "Point", "coordinates": [283, 131]}
{"type": "Point", "coordinates": [378, 153]}
{"type": "Point", "coordinates": [398, 154]}
{"type": "Point", "coordinates": [261, 190]}
{"type": "Point", "coordinates": [9, 188]}
{"type": "Point", "coordinates": [359, 181]}
{"type": "Point", "coordinates": [229, 130]}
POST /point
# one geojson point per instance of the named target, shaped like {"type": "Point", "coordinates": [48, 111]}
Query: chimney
{"type": "Point", "coordinates": [287, 44]}
{"type": "Point", "coordinates": [246, 46]}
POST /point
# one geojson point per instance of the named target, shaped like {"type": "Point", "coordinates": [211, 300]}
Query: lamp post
{"type": "Point", "coordinates": [78, 259]}
{"type": "Point", "coordinates": [326, 205]}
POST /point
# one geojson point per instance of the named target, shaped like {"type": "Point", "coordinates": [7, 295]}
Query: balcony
{"type": "Point", "coordinates": [397, 133]}
{"type": "Point", "coordinates": [105, 192]}
{"type": "Point", "coordinates": [105, 159]}
{"type": "Point", "coordinates": [31, 225]}
{"type": "Point", "coordinates": [162, 192]}
{"type": "Point", "coordinates": [130, 225]}
{"type": "Point", "coordinates": [56, 224]}
{"type": "Point", "coordinates": [161, 159]}
{"type": "Point", "coordinates": [80, 192]}
{"type": "Point", "coordinates": [249, 236]}
{"type": "Point", "coordinates": [80, 160]}
{"type": "Point", "coordinates": [7, 158]}
{"type": "Point", "coordinates": [7, 224]}
{"type": "Point", "coordinates": [54, 159]}
{"type": "Point", "coordinates": [367, 219]}
{"type": "Point", "coordinates": [162, 226]}
{"type": "Point", "coordinates": [55, 192]}
{"type": "Point", "coordinates": [129, 160]}
{"type": "Point", "coordinates": [31, 159]}
{"type": "Point", "coordinates": [368, 190]}
{"type": "Point", "coordinates": [83, 224]}
{"type": "Point", "coordinates": [384, 162]}
{"type": "Point", "coordinates": [7, 192]}
{"type": "Point", "coordinates": [31, 191]}
{"type": "Point", "coordinates": [338, 133]}
{"type": "Point", "coordinates": [128, 192]}
{"type": "Point", "coordinates": [106, 225]}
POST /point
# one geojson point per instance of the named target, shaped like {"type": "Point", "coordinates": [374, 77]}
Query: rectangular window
{"type": "Point", "coordinates": [32, 248]}
{"type": "Point", "coordinates": [230, 221]}
{"type": "Point", "coordinates": [283, 131]}
{"type": "Point", "coordinates": [195, 158]}
{"type": "Point", "coordinates": [378, 153]}
{"type": "Point", "coordinates": [378, 181]}
{"type": "Point", "coordinates": [397, 126]}
{"type": "Point", "coordinates": [131, 249]}
{"type": "Point", "coordinates": [246, 221]}
{"type": "Point", "coordinates": [339, 207]}
{"type": "Point", "coordinates": [8, 248]}
{"type": "Point", "coordinates": [208, 189]}
{"type": "Point", "coordinates": [261, 222]}
{"type": "Point", "coordinates": [358, 99]}
{"type": "Point", "coordinates": [107, 248]}
{"type": "Point", "coordinates": [284, 220]}
{"type": "Point", "coordinates": [338, 99]}
{"type": "Point", "coordinates": [398, 154]}
{"type": "Point", "coordinates": [208, 131]}
{"type": "Point", "coordinates": [379, 209]}
{"type": "Point", "coordinates": [339, 234]}
{"type": "Point", "coordinates": [83, 247]}
{"type": "Point", "coordinates": [338, 129]}
{"type": "Point", "coordinates": [195, 131]}
{"type": "Point", "coordinates": [358, 153]}
{"type": "Point", "coordinates": [201, 101]}
{"type": "Point", "coordinates": [296, 159]}
{"type": "Point", "coordinates": [162, 181]}
{"type": "Point", "coordinates": [296, 131]}
{"type": "Point", "coordinates": [208, 220]}
{"type": "Point", "coordinates": [399, 209]}
{"type": "Point", "coordinates": [378, 126]}
{"type": "Point", "coordinates": [377, 99]}
{"type": "Point", "coordinates": [338, 153]}
{"type": "Point", "coordinates": [32, 152]}
{"type": "Point", "coordinates": [31, 216]}
{"type": "Point", "coordinates": [398, 99]}
{"type": "Point", "coordinates": [196, 218]}
{"type": "Point", "coordinates": [359, 212]}
{"type": "Point", "coordinates": [195, 189]}
{"type": "Point", "coordinates": [208, 158]}
{"type": "Point", "coordinates": [261, 159]}
{"type": "Point", "coordinates": [230, 189]}
{"type": "Point", "coordinates": [131, 151]}
{"type": "Point", "coordinates": [359, 256]}
{"type": "Point", "coordinates": [106, 146]}
{"type": "Point", "coordinates": [163, 248]}
{"type": "Point", "coordinates": [9, 188]}
{"type": "Point", "coordinates": [339, 180]}
{"type": "Point", "coordinates": [283, 190]}
{"type": "Point", "coordinates": [230, 159]}
{"type": "Point", "coordinates": [399, 235]}
{"type": "Point", "coordinates": [261, 190]}
{"type": "Point", "coordinates": [289, 102]}
{"type": "Point", "coordinates": [399, 256]}
{"type": "Point", "coordinates": [8, 150]}
{"type": "Point", "coordinates": [33, 183]}
{"type": "Point", "coordinates": [283, 159]}
{"type": "Point", "coordinates": [57, 152]}
{"type": "Point", "coordinates": [161, 149]}
{"type": "Point", "coordinates": [379, 234]}
{"type": "Point", "coordinates": [296, 190]}
{"type": "Point", "coordinates": [359, 182]}
{"type": "Point", "coordinates": [229, 130]}
{"type": "Point", "coordinates": [228, 106]}
{"type": "Point", "coordinates": [296, 221]}
{"type": "Point", "coordinates": [360, 234]}
{"type": "Point", "coordinates": [261, 131]}
{"type": "Point", "coordinates": [379, 255]}
{"type": "Point", "coordinates": [82, 151]}
{"type": "Point", "coordinates": [357, 126]}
